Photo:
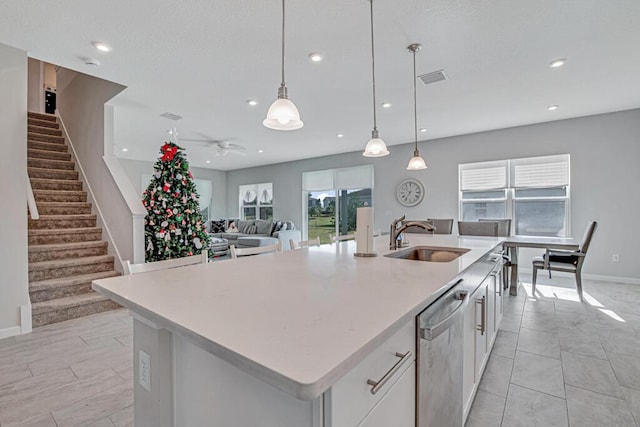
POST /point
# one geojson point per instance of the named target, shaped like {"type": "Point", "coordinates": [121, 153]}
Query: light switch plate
{"type": "Point", "coordinates": [144, 370]}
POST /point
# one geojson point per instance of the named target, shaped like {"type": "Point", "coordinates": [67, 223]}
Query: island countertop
{"type": "Point", "coordinates": [298, 320]}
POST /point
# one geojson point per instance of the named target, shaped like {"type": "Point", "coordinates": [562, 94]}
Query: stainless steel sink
{"type": "Point", "coordinates": [429, 253]}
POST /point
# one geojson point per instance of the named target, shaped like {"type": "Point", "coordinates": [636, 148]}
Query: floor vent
{"type": "Point", "coordinates": [433, 77]}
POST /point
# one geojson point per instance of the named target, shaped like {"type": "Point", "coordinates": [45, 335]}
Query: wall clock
{"type": "Point", "coordinates": [410, 192]}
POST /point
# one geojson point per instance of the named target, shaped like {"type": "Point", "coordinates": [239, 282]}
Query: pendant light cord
{"type": "Point", "coordinates": [373, 71]}
{"type": "Point", "coordinates": [415, 103]}
{"type": "Point", "coordinates": [282, 84]}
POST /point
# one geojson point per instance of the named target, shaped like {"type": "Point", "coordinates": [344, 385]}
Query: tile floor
{"type": "Point", "coordinates": [556, 362]}
{"type": "Point", "coordinates": [559, 362]}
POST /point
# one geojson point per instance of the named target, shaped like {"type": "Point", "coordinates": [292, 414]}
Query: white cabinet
{"type": "Point", "coordinates": [397, 407]}
{"type": "Point", "coordinates": [480, 302]}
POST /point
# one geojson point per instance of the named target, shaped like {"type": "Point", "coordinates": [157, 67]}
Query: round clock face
{"type": "Point", "coordinates": [410, 192]}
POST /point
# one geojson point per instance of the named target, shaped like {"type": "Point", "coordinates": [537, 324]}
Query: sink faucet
{"type": "Point", "coordinates": [395, 231]}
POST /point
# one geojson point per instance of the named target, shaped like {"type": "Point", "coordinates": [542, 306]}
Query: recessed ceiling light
{"type": "Point", "coordinates": [386, 105]}
{"type": "Point", "coordinates": [423, 130]}
{"type": "Point", "coordinates": [102, 47]}
{"type": "Point", "coordinates": [552, 107]}
{"type": "Point", "coordinates": [339, 135]}
{"type": "Point", "coordinates": [316, 57]}
{"type": "Point", "coordinates": [252, 102]}
{"type": "Point", "coordinates": [557, 63]}
{"type": "Point", "coordinates": [260, 151]}
{"type": "Point", "coordinates": [207, 161]}
{"type": "Point", "coordinates": [125, 149]}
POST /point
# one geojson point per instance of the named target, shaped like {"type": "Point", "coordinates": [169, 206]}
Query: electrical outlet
{"type": "Point", "coordinates": [144, 370]}
{"type": "Point", "coordinates": [615, 257]}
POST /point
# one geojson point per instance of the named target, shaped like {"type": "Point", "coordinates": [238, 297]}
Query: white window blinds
{"type": "Point", "coordinates": [354, 177]}
{"type": "Point", "coordinates": [483, 176]}
{"type": "Point", "coordinates": [540, 172]}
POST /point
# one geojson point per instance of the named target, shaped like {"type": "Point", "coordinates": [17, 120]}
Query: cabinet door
{"type": "Point", "coordinates": [469, 355]}
{"type": "Point", "coordinates": [397, 408]}
{"type": "Point", "coordinates": [491, 309]}
{"type": "Point", "coordinates": [499, 301]}
{"type": "Point", "coordinates": [479, 300]}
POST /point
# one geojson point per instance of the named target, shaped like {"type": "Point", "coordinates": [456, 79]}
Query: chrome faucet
{"type": "Point", "coordinates": [395, 231]}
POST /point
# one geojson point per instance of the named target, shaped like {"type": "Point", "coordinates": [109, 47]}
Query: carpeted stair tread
{"type": "Point", "coordinates": [55, 184]}
{"type": "Point", "coordinates": [47, 146]}
{"type": "Point", "coordinates": [42, 116]}
{"type": "Point", "coordinates": [43, 285]}
{"type": "Point", "coordinates": [41, 130]}
{"type": "Point", "coordinates": [67, 246]}
{"type": "Point", "coordinates": [51, 196]}
{"type": "Point", "coordinates": [43, 173]}
{"type": "Point", "coordinates": [61, 263]}
{"type": "Point", "coordinates": [66, 302]}
{"type": "Point", "coordinates": [63, 208]}
{"type": "Point", "coordinates": [34, 153]}
{"type": "Point", "coordinates": [31, 136]}
{"type": "Point", "coordinates": [54, 231]}
{"type": "Point", "coordinates": [66, 217]}
{"type": "Point", "coordinates": [34, 162]}
{"type": "Point", "coordinates": [42, 123]}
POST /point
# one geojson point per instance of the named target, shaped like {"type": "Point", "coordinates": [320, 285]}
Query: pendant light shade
{"type": "Point", "coordinates": [283, 113]}
{"type": "Point", "coordinates": [376, 146]}
{"type": "Point", "coordinates": [416, 162]}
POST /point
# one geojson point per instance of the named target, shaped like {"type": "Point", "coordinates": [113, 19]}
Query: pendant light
{"type": "Point", "coordinates": [416, 162]}
{"type": "Point", "coordinates": [376, 146]}
{"type": "Point", "coordinates": [283, 114]}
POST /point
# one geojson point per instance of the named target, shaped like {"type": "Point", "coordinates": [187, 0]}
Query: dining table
{"type": "Point", "coordinates": [513, 243]}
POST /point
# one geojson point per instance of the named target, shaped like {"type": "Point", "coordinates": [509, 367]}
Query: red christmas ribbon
{"type": "Point", "coordinates": [169, 152]}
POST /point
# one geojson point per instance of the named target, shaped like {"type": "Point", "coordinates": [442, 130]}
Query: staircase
{"type": "Point", "coordinates": [66, 251]}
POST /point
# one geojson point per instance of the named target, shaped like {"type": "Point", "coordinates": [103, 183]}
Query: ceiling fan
{"type": "Point", "coordinates": [222, 146]}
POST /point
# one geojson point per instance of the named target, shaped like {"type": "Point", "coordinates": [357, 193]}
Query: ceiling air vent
{"type": "Point", "coordinates": [433, 77]}
{"type": "Point", "coordinates": [171, 116]}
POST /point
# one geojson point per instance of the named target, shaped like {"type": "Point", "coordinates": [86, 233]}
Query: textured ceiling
{"type": "Point", "coordinates": [204, 59]}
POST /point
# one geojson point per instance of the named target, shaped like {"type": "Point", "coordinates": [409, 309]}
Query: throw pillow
{"type": "Point", "coordinates": [277, 226]}
{"type": "Point", "coordinates": [290, 225]}
{"type": "Point", "coordinates": [243, 226]}
{"type": "Point", "coordinates": [263, 226]}
{"type": "Point", "coordinates": [217, 226]}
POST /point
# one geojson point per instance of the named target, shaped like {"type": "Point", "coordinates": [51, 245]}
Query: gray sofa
{"type": "Point", "coordinates": [281, 230]}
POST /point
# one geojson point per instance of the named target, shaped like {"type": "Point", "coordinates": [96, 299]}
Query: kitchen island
{"type": "Point", "coordinates": [264, 340]}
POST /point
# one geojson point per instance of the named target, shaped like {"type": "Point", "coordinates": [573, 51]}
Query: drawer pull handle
{"type": "Point", "coordinates": [377, 385]}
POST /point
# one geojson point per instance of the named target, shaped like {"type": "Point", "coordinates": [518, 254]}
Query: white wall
{"type": "Point", "coordinates": [136, 168]}
{"type": "Point", "coordinates": [604, 153]}
{"type": "Point", "coordinates": [35, 85]}
{"type": "Point", "coordinates": [14, 286]}
{"type": "Point", "coordinates": [81, 107]}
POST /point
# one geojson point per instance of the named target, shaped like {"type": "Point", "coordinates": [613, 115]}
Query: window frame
{"type": "Point", "coordinates": [257, 206]}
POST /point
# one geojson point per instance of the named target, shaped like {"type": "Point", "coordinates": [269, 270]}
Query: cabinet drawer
{"type": "Point", "coordinates": [351, 398]}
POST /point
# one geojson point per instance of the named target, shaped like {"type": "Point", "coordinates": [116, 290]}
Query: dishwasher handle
{"type": "Point", "coordinates": [429, 333]}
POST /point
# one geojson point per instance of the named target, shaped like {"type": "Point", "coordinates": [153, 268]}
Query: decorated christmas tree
{"type": "Point", "coordinates": [173, 226]}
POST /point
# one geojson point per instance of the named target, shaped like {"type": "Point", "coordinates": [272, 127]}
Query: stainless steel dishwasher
{"type": "Point", "coordinates": [439, 371]}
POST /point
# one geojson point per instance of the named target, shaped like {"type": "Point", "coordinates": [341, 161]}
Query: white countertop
{"type": "Point", "coordinates": [298, 320]}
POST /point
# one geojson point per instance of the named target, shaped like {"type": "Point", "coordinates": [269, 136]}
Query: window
{"type": "Point", "coordinates": [534, 192]}
{"type": "Point", "coordinates": [331, 199]}
{"type": "Point", "coordinates": [256, 201]}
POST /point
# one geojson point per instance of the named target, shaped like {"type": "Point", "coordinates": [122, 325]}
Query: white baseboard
{"type": "Point", "coordinates": [25, 318]}
{"type": "Point", "coordinates": [598, 277]}
{"type": "Point", "coordinates": [9, 332]}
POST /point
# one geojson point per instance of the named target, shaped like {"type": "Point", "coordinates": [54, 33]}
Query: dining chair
{"type": "Point", "coordinates": [341, 237]}
{"type": "Point", "coordinates": [477, 228]}
{"type": "Point", "coordinates": [504, 230]}
{"type": "Point", "coordinates": [129, 268]}
{"type": "Point", "coordinates": [504, 226]}
{"type": "Point", "coordinates": [239, 252]}
{"type": "Point", "coordinates": [566, 261]}
{"type": "Point", "coordinates": [442, 226]}
{"type": "Point", "coordinates": [304, 243]}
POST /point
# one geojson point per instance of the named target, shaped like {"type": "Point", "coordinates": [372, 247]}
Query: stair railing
{"type": "Point", "coordinates": [31, 201]}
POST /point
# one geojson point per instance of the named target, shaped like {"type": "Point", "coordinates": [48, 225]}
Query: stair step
{"type": "Point", "coordinates": [43, 123]}
{"type": "Point", "coordinates": [52, 174]}
{"type": "Point", "coordinates": [58, 251]}
{"type": "Point", "coordinates": [34, 153]}
{"type": "Point", "coordinates": [62, 221]}
{"type": "Point", "coordinates": [42, 116]}
{"type": "Point", "coordinates": [64, 208]}
{"type": "Point", "coordinates": [41, 130]}
{"type": "Point", "coordinates": [72, 307]}
{"type": "Point", "coordinates": [50, 164]}
{"type": "Point", "coordinates": [55, 184]}
{"type": "Point", "coordinates": [47, 146]}
{"type": "Point", "coordinates": [67, 235]}
{"type": "Point", "coordinates": [45, 290]}
{"type": "Point", "coordinates": [45, 138]}
{"type": "Point", "coordinates": [47, 196]}
{"type": "Point", "coordinates": [69, 267]}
